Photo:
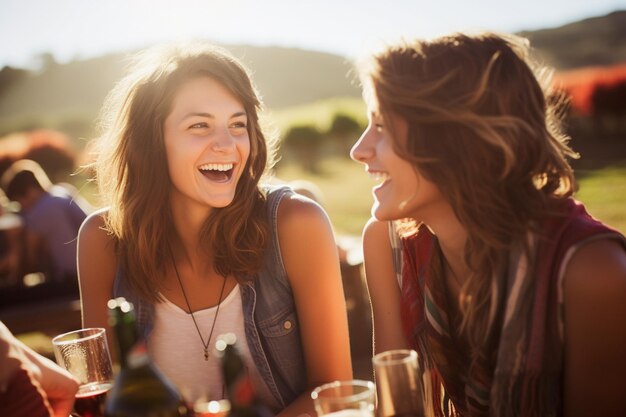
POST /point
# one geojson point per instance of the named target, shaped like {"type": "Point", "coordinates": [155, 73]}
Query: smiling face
{"type": "Point", "coordinates": [401, 191]}
{"type": "Point", "coordinates": [207, 144]}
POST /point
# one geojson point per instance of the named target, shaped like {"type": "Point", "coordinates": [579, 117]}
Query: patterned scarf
{"type": "Point", "coordinates": [522, 367]}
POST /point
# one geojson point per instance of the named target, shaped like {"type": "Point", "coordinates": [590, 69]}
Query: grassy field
{"type": "Point", "coordinates": [319, 114]}
{"type": "Point", "coordinates": [604, 193]}
{"type": "Point", "coordinates": [347, 189]}
{"type": "Point", "coordinates": [347, 195]}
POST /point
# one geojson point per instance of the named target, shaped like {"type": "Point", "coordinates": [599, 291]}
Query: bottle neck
{"type": "Point", "coordinates": [132, 352]}
{"type": "Point", "coordinates": [238, 384]}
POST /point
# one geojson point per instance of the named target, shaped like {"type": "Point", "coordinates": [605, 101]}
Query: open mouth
{"type": "Point", "coordinates": [217, 172]}
{"type": "Point", "coordinates": [378, 176]}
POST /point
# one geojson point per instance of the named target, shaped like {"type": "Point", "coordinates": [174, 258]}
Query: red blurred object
{"type": "Point", "coordinates": [580, 84]}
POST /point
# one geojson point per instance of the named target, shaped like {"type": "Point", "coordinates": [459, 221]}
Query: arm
{"type": "Point", "coordinates": [311, 261]}
{"type": "Point", "coordinates": [383, 287]}
{"type": "Point", "coordinates": [595, 331]}
{"type": "Point", "coordinates": [97, 264]}
{"type": "Point", "coordinates": [47, 385]}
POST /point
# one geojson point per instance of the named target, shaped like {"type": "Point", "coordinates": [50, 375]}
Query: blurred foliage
{"type": "Point", "coordinates": [9, 77]}
{"type": "Point", "coordinates": [50, 148]}
{"type": "Point", "coordinates": [318, 113]}
{"type": "Point", "coordinates": [343, 132]}
{"type": "Point", "coordinates": [306, 143]}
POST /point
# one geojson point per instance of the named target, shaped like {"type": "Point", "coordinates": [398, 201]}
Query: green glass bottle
{"type": "Point", "coordinates": [140, 389]}
{"type": "Point", "coordinates": [239, 388]}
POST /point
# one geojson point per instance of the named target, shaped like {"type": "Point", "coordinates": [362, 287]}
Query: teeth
{"type": "Point", "coordinates": [216, 167]}
{"type": "Point", "coordinates": [378, 176]}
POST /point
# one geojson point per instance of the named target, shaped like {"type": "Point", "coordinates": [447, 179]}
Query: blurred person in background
{"type": "Point", "coordinates": [52, 215]}
{"type": "Point", "coordinates": [199, 246]}
{"type": "Point", "coordinates": [30, 384]}
{"type": "Point", "coordinates": [477, 256]}
{"type": "Point", "coordinates": [11, 243]}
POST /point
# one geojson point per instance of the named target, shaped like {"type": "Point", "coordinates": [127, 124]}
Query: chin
{"type": "Point", "coordinates": [221, 202]}
{"type": "Point", "coordinates": [379, 213]}
{"type": "Point", "coordinates": [387, 211]}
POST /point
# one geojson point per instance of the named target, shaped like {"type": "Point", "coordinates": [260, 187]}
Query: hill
{"type": "Point", "coordinates": [597, 41]}
{"type": "Point", "coordinates": [68, 96]}
{"type": "Point", "coordinates": [71, 94]}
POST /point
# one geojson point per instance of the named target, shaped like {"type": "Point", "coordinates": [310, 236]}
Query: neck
{"type": "Point", "coordinates": [452, 237]}
{"type": "Point", "coordinates": [188, 221]}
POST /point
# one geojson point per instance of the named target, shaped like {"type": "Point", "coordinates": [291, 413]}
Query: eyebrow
{"type": "Point", "coordinates": [211, 116]}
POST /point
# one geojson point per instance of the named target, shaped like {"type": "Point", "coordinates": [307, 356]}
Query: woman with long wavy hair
{"type": "Point", "coordinates": [199, 245]}
{"type": "Point", "coordinates": [477, 256]}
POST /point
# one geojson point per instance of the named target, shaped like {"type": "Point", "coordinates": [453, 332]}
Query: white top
{"type": "Point", "coordinates": [176, 349]}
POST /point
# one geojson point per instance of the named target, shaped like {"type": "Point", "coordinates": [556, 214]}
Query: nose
{"type": "Point", "coordinates": [222, 141]}
{"type": "Point", "coordinates": [362, 150]}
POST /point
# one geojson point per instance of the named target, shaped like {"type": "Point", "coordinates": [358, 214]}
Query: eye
{"type": "Point", "coordinates": [200, 125]}
{"type": "Point", "coordinates": [239, 125]}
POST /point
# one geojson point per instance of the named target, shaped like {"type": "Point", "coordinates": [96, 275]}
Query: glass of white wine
{"type": "Point", "coordinates": [354, 398]}
{"type": "Point", "coordinates": [398, 384]}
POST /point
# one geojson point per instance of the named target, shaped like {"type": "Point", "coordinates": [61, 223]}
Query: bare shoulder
{"type": "Point", "coordinates": [96, 246]}
{"type": "Point", "coordinates": [597, 270]}
{"type": "Point", "coordinates": [376, 232]}
{"type": "Point", "coordinates": [306, 239]}
{"type": "Point", "coordinates": [383, 286]}
{"type": "Point", "coordinates": [595, 332]}
{"type": "Point", "coordinates": [93, 225]}
{"type": "Point", "coordinates": [296, 212]}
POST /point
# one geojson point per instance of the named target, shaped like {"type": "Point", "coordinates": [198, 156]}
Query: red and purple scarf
{"type": "Point", "coordinates": [522, 370]}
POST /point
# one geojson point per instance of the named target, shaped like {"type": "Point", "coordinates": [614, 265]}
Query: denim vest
{"type": "Point", "coordinates": [270, 320]}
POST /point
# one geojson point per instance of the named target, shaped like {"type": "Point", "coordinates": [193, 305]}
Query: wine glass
{"type": "Point", "coordinates": [85, 354]}
{"type": "Point", "coordinates": [398, 384]}
{"type": "Point", "coordinates": [354, 398]}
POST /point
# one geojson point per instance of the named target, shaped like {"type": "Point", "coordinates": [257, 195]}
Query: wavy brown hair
{"type": "Point", "coordinates": [481, 129]}
{"type": "Point", "coordinates": [131, 168]}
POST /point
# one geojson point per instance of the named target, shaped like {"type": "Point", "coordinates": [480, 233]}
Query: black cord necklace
{"type": "Point", "coordinates": [219, 302]}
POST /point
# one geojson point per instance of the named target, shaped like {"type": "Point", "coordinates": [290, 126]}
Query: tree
{"type": "Point", "coordinates": [305, 141]}
{"type": "Point", "coordinates": [10, 76]}
{"type": "Point", "coordinates": [344, 131]}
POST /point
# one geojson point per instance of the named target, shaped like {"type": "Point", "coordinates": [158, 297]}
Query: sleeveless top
{"type": "Point", "coordinates": [522, 374]}
{"type": "Point", "coordinates": [270, 320]}
{"type": "Point", "coordinates": [184, 363]}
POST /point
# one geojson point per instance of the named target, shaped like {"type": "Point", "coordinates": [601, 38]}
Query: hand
{"type": "Point", "coordinates": [57, 386]}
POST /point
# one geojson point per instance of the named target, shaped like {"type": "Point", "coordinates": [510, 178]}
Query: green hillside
{"type": "Point", "coordinates": [71, 94]}
{"type": "Point", "coordinates": [68, 96]}
{"type": "Point", "coordinates": [593, 41]}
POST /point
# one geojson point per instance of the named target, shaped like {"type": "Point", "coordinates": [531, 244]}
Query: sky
{"type": "Point", "coordinates": [80, 29]}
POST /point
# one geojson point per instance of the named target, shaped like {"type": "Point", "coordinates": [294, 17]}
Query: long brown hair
{"type": "Point", "coordinates": [482, 130]}
{"type": "Point", "coordinates": [131, 167]}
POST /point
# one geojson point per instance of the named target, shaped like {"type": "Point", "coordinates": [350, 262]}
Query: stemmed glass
{"type": "Point", "coordinates": [398, 384]}
{"type": "Point", "coordinates": [85, 354]}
